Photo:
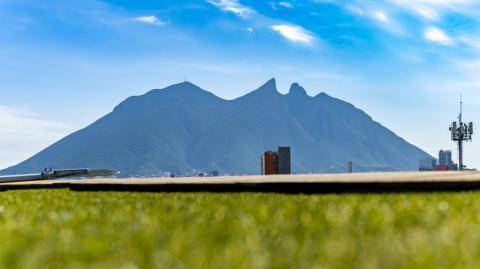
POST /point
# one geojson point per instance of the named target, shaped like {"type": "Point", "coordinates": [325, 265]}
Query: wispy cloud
{"type": "Point", "coordinates": [437, 35]}
{"type": "Point", "coordinates": [233, 6]}
{"type": "Point", "coordinates": [380, 15]}
{"type": "Point", "coordinates": [355, 10]}
{"type": "Point", "coordinates": [294, 33]}
{"type": "Point", "coordinates": [281, 4]}
{"type": "Point", "coordinates": [149, 20]}
{"type": "Point", "coordinates": [427, 12]}
{"type": "Point", "coordinates": [471, 41]}
{"type": "Point", "coordinates": [24, 134]}
{"type": "Point", "coordinates": [436, 3]}
{"type": "Point", "coordinates": [387, 23]}
{"type": "Point", "coordinates": [433, 9]}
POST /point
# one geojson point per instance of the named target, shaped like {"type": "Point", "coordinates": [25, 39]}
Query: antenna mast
{"type": "Point", "coordinates": [460, 133]}
{"type": "Point", "coordinates": [460, 141]}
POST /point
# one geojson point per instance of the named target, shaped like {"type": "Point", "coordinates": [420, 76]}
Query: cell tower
{"type": "Point", "coordinates": [461, 132]}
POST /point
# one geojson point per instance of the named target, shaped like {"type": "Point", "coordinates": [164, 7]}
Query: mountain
{"type": "Point", "coordinates": [182, 128]}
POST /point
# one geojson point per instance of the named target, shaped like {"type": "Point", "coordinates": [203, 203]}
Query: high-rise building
{"type": "Point", "coordinates": [284, 166]}
{"type": "Point", "coordinates": [278, 162]}
{"type": "Point", "coordinates": [445, 157]}
{"type": "Point", "coordinates": [269, 163]}
{"type": "Point", "coordinates": [445, 162]}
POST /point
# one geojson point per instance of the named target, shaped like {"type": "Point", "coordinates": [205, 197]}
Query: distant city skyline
{"type": "Point", "coordinates": [64, 64]}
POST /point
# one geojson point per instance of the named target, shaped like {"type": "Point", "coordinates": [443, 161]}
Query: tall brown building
{"type": "Point", "coordinates": [274, 163]}
{"type": "Point", "coordinates": [269, 163]}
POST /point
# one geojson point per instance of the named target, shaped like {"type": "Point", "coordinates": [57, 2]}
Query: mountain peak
{"type": "Point", "coordinates": [270, 85]}
{"type": "Point", "coordinates": [181, 88]}
{"type": "Point", "coordinates": [184, 85]}
{"type": "Point", "coordinates": [322, 94]}
{"type": "Point", "coordinates": [296, 89]}
{"type": "Point", "coordinates": [185, 82]}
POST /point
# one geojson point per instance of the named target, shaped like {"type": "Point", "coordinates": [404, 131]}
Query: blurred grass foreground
{"type": "Point", "coordinates": [65, 229]}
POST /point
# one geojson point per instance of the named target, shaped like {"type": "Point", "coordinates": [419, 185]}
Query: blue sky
{"type": "Point", "coordinates": [65, 63]}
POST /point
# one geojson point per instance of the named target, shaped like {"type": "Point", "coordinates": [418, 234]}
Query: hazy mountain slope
{"type": "Point", "coordinates": [138, 136]}
{"type": "Point", "coordinates": [182, 127]}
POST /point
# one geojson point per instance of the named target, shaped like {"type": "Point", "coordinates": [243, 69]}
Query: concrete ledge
{"type": "Point", "coordinates": [308, 184]}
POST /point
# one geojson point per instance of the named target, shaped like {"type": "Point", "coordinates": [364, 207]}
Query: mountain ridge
{"type": "Point", "coordinates": [183, 127]}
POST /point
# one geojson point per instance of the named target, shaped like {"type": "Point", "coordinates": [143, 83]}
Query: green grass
{"type": "Point", "coordinates": [64, 229]}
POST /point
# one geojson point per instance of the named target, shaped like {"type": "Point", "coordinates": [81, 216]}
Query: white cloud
{"type": "Point", "coordinates": [285, 4]}
{"type": "Point", "coordinates": [472, 42]}
{"type": "Point", "coordinates": [469, 65]}
{"type": "Point", "coordinates": [433, 9]}
{"type": "Point", "coordinates": [436, 35]}
{"type": "Point", "coordinates": [325, 1]}
{"type": "Point", "coordinates": [381, 16]}
{"type": "Point", "coordinates": [355, 10]}
{"type": "Point", "coordinates": [387, 23]}
{"type": "Point", "coordinates": [250, 30]}
{"type": "Point", "coordinates": [233, 6]}
{"type": "Point", "coordinates": [426, 9]}
{"type": "Point", "coordinates": [426, 12]}
{"type": "Point", "coordinates": [448, 3]}
{"type": "Point", "coordinates": [149, 20]}
{"type": "Point", "coordinates": [24, 134]}
{"type": "Point", "coordinates": [294, 33]}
